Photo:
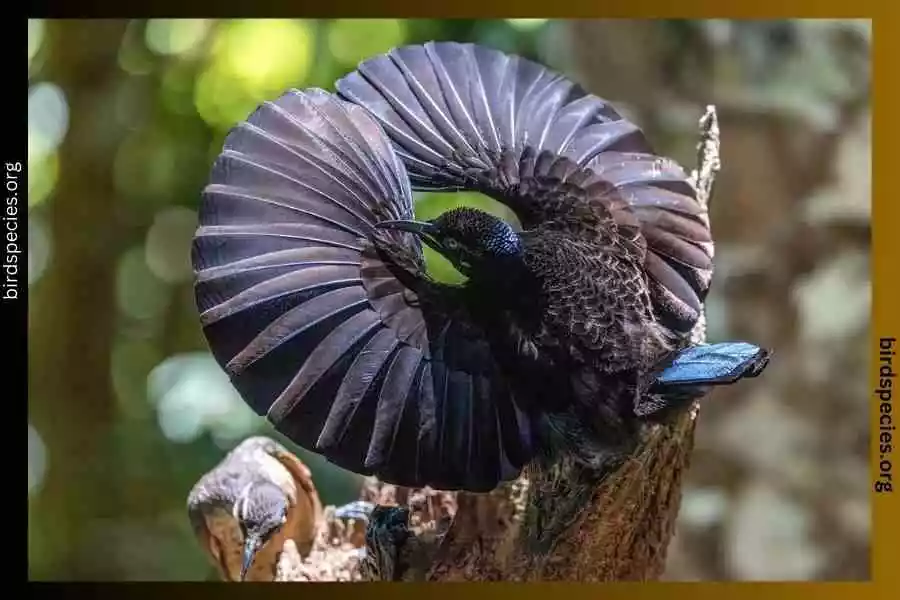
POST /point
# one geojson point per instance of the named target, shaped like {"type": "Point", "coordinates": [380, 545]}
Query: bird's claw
{"type": "Point", "coordinates": [390, 520]}
{"type": "Point", "coordinates": [387, 531]}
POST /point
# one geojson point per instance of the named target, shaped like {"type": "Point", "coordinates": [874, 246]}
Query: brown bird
{"type": "Point", "coordinates": [244, 510]}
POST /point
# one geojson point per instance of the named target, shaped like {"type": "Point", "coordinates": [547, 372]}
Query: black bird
{"type": "Point", "coordinates": [314, 296]}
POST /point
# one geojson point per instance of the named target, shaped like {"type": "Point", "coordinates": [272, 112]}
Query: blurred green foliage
{"type": "Point", "coordinates": [127, 408]}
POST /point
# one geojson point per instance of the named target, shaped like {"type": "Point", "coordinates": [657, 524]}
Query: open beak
{"type": "Point", "coordinates": [251, 545]}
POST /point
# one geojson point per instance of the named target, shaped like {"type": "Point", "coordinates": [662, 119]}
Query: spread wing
{"type": "Point", "coordinates": [467, 117]}
{"type": "Point", "coordinates": [330, 329]}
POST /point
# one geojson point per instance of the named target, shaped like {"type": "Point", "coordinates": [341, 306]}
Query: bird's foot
{"type": "Point", "coordinates": [386, 534]}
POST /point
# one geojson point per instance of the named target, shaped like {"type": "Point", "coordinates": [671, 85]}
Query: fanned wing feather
{"type": "Point", "coordinates": [304, 305]}
{"type": "Point", "coordinates": [467, 117]}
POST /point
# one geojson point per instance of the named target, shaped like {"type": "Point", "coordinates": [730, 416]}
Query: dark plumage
{"type": "Point", "coordinates": [385, 537]}
{"type": "Point", "coordinates": [321, 311]}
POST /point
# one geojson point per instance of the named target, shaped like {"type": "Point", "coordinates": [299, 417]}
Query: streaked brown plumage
{"type": "Point", "coordinates": [242, 495]}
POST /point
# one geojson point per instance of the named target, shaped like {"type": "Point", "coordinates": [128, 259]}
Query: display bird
{"type": "Point", "coordinates": [571, 329]}
{"type": "Point", "coordinates": [244, 509]}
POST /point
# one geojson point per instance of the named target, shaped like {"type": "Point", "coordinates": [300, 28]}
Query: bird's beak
{"type": "Point", "coordinates": [251, 545]}
{"type": "Point", "coordinates": [422, 229]}
{"type": "Point", "coordinates": [426, 231]}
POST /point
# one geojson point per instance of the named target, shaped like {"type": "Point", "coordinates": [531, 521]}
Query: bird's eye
{"type": "Point", "coordinates": [451, 244]}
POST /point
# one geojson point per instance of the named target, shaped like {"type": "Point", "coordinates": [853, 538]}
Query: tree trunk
{"type": "Point", "coordinates": [71, 331]}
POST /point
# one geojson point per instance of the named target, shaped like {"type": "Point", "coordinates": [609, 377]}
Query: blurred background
{"type": "Point", "coordinates": [127, 409]}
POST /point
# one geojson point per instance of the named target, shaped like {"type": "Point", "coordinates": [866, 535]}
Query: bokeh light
{"type": "Point", "coordinates": [175, 36]}
{"type": "Point", "coordinates": [37, 460]}
{"type": "Point", "coordinates": [527, 24]}
{"type": "Point", "coordinates": [352, 40]}
{"type": "Point", "coordinates": [42, 175]}
{"type": "Point", "coordinates": [252, 61]}
{"type": "Point", "coordinates": [35, 37]}
{"type": "Point", "coordinates": [135, 58]}
{"type": "Point", "coordinates": [39, 248]}
{"type": "Point", "coordinates": [48, 119]}
{"type": "Point", "coordinates": [192, 395]}
{"type": "Point", "coordinates": [169, 244]}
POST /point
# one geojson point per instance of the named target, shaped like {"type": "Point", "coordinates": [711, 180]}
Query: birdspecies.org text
{"type": "Point", "coordinates": [884, 393]}
{"type": "Point", "coordinates": [12, 237]}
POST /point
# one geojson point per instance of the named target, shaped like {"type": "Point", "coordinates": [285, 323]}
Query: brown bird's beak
{"type": "Point", "coordinates": [251, 546]}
